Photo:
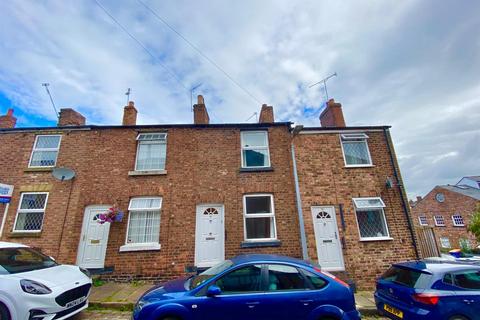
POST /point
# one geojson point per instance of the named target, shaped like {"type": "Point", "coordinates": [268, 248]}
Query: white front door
{"type": "Point", "coordinates": [209, 235]}
{"type": "Point", "coordinates": [329, 250]}
{"type": "Point", "coordinates": [94, 238]}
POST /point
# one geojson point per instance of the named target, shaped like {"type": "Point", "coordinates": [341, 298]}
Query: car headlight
{"type": "Point", "coordinates": [33, 287]}
{"type": "Point", "coordinates": [85, 272]}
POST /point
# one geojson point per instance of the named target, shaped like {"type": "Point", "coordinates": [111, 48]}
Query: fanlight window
{"type": "Point", "coordinates": [210, 211]}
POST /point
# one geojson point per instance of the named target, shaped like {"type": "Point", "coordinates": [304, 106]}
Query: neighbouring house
{"type": "Point", "coordinates": [194, 194]}
{"type": "Point", "coordinates": [448, 210]}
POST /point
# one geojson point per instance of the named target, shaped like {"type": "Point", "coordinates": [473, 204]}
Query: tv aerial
{"type": "Point", "coordinates": [324, 81]}
{"type": "Point", "coordinates": [63, 174]}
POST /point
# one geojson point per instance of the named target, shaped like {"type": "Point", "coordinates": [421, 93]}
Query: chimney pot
{"type": "Point", "coordinates": [419, 198]}
{"type": "Point", "coordinates": [200, 113]}
{"type": "Point", "coordinates": [70, 117]}
{"type": "Point", "coordinates": [8, 121]}
{"type": "Point", "coordinates": [266, 114]}
{"type": "Point", "coordinates": [332, 115]}
{"type": "Point", "coordinates": [130, 114]}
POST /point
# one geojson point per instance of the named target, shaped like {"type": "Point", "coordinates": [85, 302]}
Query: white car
{"type": "Point", "coordinates": [34, 286]}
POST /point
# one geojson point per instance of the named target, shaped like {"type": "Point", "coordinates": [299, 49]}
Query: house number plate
{"type": "Point", "coordinates": [95, 241]}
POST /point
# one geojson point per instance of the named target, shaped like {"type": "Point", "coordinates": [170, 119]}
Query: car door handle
{"type": "Point", "coordinates": [306, 302]}
{"type": "Point", "coordinates": [252, 304]}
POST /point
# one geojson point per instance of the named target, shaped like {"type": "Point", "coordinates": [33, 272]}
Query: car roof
{"type": "Point", "coordinates": [4, 245]}
{"type": "Point", "coordinates": [262, 258]}
{"type": "Point", "coordinates": [433, 266]}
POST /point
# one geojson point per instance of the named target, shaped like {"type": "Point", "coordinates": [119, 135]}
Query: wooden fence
{"type": "Point", "coordinates": [427, 244]}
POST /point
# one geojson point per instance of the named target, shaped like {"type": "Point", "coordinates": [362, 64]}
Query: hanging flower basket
{"type": "Point", "coordinates": [112, 215]}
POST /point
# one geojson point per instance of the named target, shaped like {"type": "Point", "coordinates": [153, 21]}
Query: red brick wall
{"type": "Point", "coordinates": [454, 203]}
{"type": "Point", "coordinates": [202, 167]}
{"type": "Point", "coordinates": [324, 180]}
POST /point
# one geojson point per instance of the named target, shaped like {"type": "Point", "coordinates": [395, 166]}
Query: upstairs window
{"type": "Point", "coordinates": [45, 151]}
{"type": "Point", "coordinates": [355, 150]}
{"type": "Point", "coordinates": [458, 220]}
{"type": "Point", "coordinates": [423, 221]}
{"type": "Point", "coordinates": [439, 221]}
{"type": "Point", "coordinates": [144, 220]}
{"type": "Point", "coordinates": [371, 219]}
{"type": "Point", "coordinates": [151, 152]}
{"type": "Point", "coordinates": [31, 211]}
{"type": "Point", "coordinates": [259, 217]}
{"type": "Point", "coordinates": [255, 152]}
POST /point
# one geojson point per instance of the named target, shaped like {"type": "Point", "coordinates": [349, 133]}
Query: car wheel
{"type": "Point", "coordinates": [4, 314]}
{"type": "Point", "coordinates": [458, 318]}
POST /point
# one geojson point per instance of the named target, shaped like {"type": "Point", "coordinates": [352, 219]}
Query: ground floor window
{"type": "Point", "coordinates": [259, 217]}
{"type": "Point", "coordinates": [371, 220]}
{"type": "Point", "coordinates": [144, 220]}
{"type": "Point", "coordinates": [445, 242]}
{"type": "Point", "coordinates": [31, 211]}
{"type": "Point", "coordinates": [465, 243]}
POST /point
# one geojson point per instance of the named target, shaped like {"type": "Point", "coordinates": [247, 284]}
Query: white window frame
{"type": "Point", "coordinates": [467, 242]}
{"type": "Point", "coordinates": [366, 208]}
{"type": "Point", "coordinates": [266, 147]}
{"type": "Point", "coordinates": [360, 138]}
{"type": "Point", "coordinates": [57, 149]}
{"type": "Point", "coordinates": [156, 141]}
{"type": "Point", "coordinates": [423, 223]}
{"type": "Point", "coordinates": [442, 242]}
{"type": "Point", "coordinates": [455, 223]}
{"type": "Point", "coordinates": [145, 245]}
{"type": "Point", "coordinates": [258, 215]}
{"type": "Point", "coordinates": [19, 210]}
{"type": "Point", "coordinates": [437, 223]}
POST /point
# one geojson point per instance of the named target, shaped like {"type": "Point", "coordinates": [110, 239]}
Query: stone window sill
{"type": "Point", "coordinates": [265, 169]}
{"type": "Point", "coordinates": [376, 239]}
{"type": "Point", "coordinates": [359, 166]}
{"type": "Point", "coordinates": [260, 244]}
{"type": "Point", "coordinates": [140, 247]}
{"type": "Point", "coordinates": [39, 169]}
{"type": "Point", "coordinates": [148, 173]}
{"type": "Point", "coordinates": [19, 234]}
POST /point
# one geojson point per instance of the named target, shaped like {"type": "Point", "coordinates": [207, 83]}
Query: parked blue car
{"type": "Point", "coordinates": [251, 287]}
{"type": "Point", "coordinates": [429, 290]}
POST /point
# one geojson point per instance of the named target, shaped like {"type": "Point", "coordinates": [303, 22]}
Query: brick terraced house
{"type": "Point", "coordinates": [448, 209]}
{"type": "Point", "coordinates": [194, 194]}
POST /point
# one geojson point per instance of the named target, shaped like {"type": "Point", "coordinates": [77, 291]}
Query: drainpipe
{"type": "Point", "coordinates": [386, 132]}
{"type": "Point", "coordinates": [303, 238]}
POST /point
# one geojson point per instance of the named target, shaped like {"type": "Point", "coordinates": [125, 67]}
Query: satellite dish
{"type": "Point", "coordinates": [63, 174]}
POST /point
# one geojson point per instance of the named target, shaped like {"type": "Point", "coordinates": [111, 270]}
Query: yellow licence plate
{"type": "Point", "coordinates": [393, 311]}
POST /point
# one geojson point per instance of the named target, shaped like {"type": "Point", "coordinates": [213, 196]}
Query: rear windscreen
{"type": "Point", "coordinates": [406, 277]}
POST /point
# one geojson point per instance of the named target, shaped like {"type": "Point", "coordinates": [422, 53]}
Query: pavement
{"type": "Point", "coordinates": [113, 301]}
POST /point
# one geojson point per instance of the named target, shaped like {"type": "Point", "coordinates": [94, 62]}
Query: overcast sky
{"type": "Point", "coordinates": [414, 65]}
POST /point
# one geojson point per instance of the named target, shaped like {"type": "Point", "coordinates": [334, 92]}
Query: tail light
{"type": "Point", "coordinates": [331, 276]}
{"type": "Point", "coordinates": [426, 298]}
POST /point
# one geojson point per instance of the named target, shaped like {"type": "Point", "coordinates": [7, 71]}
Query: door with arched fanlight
{"type": "Point", "coordinates": [209, 235]}
{"type": "Point", "coordinates": [329, 249]}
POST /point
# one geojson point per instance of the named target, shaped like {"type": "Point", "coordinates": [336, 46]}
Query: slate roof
{"type": "Point", "coordinates": [464, 190]}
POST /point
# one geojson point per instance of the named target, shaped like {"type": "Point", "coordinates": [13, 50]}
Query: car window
{"type": "Point", "coordinates": [242, 280]}
{"type": "Point", "coordinates": [17, 260]}
{"type": "Point", "coordinates": [406, 277]}
{"type": "Point", "coordinates": [316, 281]}
{"type": "Point", "coordinates": [468, 280]}
{"type": "Point", "coordinates": [283, 277]}
{"type": "Point", "coordinates": [209, 273]}
{"type": "Point", "coordinates": [448, 279]}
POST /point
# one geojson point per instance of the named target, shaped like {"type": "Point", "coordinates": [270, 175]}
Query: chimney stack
{"type": "Point", "coordinates": [200, 114]}
{"type": "Point", "coordinates": [70, 117]}
{"type": "Point", "coordinates": [130, 115]}
{"type": "Point", "coordinates": [266, 114]}
{"type": "Point", "coordinates": [8, 121]}
{"type": "Point", "coordinates": [332, 115]}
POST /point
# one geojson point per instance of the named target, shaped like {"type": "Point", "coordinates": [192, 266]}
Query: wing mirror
{"type": "Point", "coordinates": [213, 291]}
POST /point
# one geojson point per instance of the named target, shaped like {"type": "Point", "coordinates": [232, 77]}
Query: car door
{"type": "Point", "coordinates": [468, 292]}
{"type": "Point", "coordinates": [242, 291]}
{"type": "Point", "coordinates": [289, 295]}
